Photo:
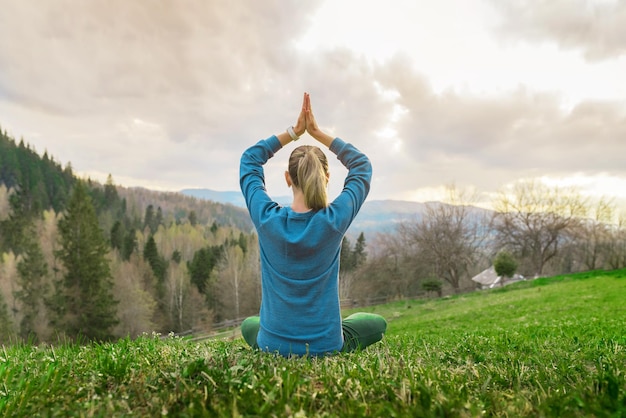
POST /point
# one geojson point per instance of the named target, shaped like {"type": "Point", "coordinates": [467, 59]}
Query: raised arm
{"type": "Point", "coordinates": [298, 128]}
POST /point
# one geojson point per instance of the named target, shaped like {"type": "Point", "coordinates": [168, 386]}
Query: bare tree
{"type": "Point", "coordinates": [594, 234]}
{"type": "Point", "coordinates": [448, 238]}
{"type": "Point", "coordinates": [533, 220]}
{"type": "Point", "coordinates": [252, 296]}
{"type": "Point", "coordinates": [392, 270]}
{"type": "Point", "coordinates": [4, 202]}
{"type": "Point", "coordinates": [136, 305]}
{"type": "Point", "coordinates": [187, 307]}
{"type": "Point", "coordinates": [616, 248]}
{"type": "Point", "coordinates": [232, 272]}
{"type": "Point", "coordinates": [8, 284]}
{"type": "Point", "coordinates": [179, 287]}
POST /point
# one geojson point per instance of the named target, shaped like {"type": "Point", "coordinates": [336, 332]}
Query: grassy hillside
{"type": "Point", "coordinates": [550, 347]}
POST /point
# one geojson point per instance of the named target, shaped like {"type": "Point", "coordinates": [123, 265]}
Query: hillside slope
{"type": "Point", "coordinates": [551, 348]}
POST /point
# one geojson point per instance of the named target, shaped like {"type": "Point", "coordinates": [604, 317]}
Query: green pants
{"type": "Point", "coordinates": [359, 330]}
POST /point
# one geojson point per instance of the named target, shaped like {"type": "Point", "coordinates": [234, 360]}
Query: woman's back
{"type": "Point", "coordinates": [300, 310]}
{"type": "Point", "coordinates": [300, 246]}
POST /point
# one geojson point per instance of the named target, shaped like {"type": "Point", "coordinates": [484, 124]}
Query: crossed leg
{"type": "Point", "coordinates": [360, 330]}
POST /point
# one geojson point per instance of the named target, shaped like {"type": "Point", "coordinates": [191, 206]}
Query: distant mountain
{"type": "Point", "coordinates": [234, 198]}
{"type": "Point", "coordinates": [375, 216]}
{"type": "Point", "coordinates": [385, 215]}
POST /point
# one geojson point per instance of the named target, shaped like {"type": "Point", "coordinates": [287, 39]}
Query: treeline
{"type": "Point", "coordinates": [85, 260]}
{"type": "Point", "coordinates": [539, 230]}
{"type": "Point", "coordinates": [42, 179]}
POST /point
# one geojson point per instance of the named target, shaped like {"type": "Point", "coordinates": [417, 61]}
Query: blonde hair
{"type": "Point", "coordinates": [308, 169]}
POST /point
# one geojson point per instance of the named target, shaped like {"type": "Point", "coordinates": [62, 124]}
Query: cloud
{"type": "Point", "coordinates": [597, 28]}
{"type": "Point", "coordinates": [158, 94]}
{"type": "Point", "coordinates": [82, 56]}
{"type": "Point", "coordinates": [84, 73]}
{"type": "Point", "coordinates": [490, 140]}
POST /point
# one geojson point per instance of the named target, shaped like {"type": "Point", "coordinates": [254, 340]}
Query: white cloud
{"type": "Point", "coordinates": [595, 27]}
{"type": "Point", "coordinates": [168, 96]}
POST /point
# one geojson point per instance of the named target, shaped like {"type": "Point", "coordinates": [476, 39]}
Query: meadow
{"type": "Point", "coordinates": [548, 347]}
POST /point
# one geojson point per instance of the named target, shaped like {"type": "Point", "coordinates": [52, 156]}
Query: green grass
{"type": "Point", "coordinates": [548, 347]}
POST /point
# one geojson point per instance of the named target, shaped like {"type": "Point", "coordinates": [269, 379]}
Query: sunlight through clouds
{"type": "Point", "coordinates": [476, 92]}
{"type": "Point", "coordinates": [597, 186]}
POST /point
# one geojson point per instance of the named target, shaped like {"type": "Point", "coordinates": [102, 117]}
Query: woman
{"type": "Point", "coordinates": [300, 246]}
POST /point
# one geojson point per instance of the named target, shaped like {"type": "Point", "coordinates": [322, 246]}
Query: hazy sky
{"type": "Point", "coordinates": [167, 94]}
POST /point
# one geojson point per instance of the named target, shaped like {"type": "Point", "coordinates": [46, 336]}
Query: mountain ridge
{"type": "Point", "coordinates": [376, 216]}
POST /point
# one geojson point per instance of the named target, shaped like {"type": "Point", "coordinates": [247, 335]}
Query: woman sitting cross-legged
{"type": "Point", "coordinates": [300, 246]}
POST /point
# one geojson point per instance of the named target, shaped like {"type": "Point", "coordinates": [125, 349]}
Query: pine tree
{"type": "Point", "coordinates": [156, 261]}
{"type": "Point", "coordinates": [202, 265]}
{"type": "Point", "coordinates": [111, 198]}
{"type": "Point", "coordinates": [13, 229]}
{"type": "Point", "coordinates": [85, 301]}
{"type": "Point", "coordinates": [243, 243]}
{"type": "Point", "coordinates": [359, 253]}
{"type": "Point", "coordinates": [129, 245]}
{"type": "Point", "coordinates": [117, 236]}
{"type": "Point", "coordinates": [158, 220]}
{"type": "Point", "coordinates": [32, 270]}
{"type": "Point", "coordinates": [41, 178]}
{"type": "Point", "coordinates": [346, 257]}
{"type": "Point", "coordinates": [193, 218]}
{"type": "Point", "coordinates": [6, 327]}
{"type": "Point", "coordinates": [148, 219]}
{"type": "Point", "coordinates": [159, 267]}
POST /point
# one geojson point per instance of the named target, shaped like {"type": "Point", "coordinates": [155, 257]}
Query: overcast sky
{"type": "Point", "coordinates": [167, 94]}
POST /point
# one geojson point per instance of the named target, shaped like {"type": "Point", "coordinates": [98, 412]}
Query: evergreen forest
{"type": "Point", "coordinates": [84, 261]}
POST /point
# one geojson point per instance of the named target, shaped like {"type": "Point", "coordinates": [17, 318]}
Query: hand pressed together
{"type": "Point", "coordinates": [300, 125]}
{"type": "Point", "coordinates": [310, 123]}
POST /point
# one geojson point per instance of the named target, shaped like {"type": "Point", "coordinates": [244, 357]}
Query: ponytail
{"type": "Point", "coordinates": [308, 169]}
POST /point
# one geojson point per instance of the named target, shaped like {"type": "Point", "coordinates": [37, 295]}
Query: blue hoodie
{"type": "Point", "coordinates": [300, 312]}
